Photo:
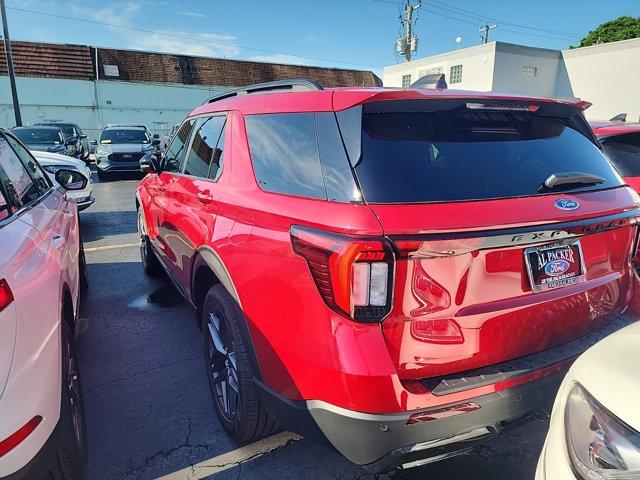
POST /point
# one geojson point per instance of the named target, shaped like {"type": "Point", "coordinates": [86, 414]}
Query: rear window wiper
{"type": "Point", "coordinates": [561, 179]}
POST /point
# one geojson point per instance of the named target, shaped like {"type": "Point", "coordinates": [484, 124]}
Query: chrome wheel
{"type": "Point", "coordinates": [223, 368]}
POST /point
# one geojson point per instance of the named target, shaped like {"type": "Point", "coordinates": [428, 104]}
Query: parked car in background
{"type": "Point", "coordinates": [595, 424]}
{"type": "Point", "coordinates": [73, 134]}
{"type": "Point", "coordinates": [399, 272]}
{"type": "Point", "coordinates": [52, 162]}
{"type": "Point", "coordinates": [45, 139]}
{"type": "Point", "coordinates": [42, 424]}
{"type": "Point", "coordinates": [120, 148]}
{"type": "Point", "coordinates": [621, 144]}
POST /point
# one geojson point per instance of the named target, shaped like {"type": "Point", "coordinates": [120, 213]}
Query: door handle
{"type": "Point", "coordinates": [204, 198]}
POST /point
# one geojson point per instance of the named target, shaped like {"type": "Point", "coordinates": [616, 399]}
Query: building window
{"type": "Point", "coordinates": [406, 81]}
{"type": "Point", "coordinates": [529, 71]}
{"type": "Point", "coordinates": [455, 76]}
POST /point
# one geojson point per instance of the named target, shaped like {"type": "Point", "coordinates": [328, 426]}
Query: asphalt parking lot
{"type": "Point", "coordinates": [148, 408]}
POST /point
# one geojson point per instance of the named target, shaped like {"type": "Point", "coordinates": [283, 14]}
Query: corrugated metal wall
{"type": "Point", "coordinates": [159, 106]}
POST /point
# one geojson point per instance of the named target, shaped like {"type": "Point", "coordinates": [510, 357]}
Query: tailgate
{"type": "Point", "coordinates": [465, 296]}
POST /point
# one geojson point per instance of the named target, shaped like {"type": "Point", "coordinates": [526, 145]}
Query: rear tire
{"type": "Point", "coordinates": [150, 263]}
{"type": "Point", "coordinates": [66, 449]}
{"type": "Point", "coordinates": [228, 370]}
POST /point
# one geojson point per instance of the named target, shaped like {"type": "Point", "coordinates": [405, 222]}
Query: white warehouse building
{"type": "Point", "coordinates": [607, 75]}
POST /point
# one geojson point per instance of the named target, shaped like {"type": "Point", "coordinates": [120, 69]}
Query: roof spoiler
{"type": "Point", "coordinates": [621, 117]}
{"type": "Point", "coordinates": [293, 85]}
{"type": "Point", "coordinates": [431, 82]}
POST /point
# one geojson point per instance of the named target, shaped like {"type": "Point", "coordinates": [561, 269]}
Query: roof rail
{"type": "Point", "coordinates": [293, 85]}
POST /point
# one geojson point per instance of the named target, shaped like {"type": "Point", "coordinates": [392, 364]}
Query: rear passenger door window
{"type": "Point", "coordinates": [18, 185]}
{"type": "Point", "coordinates": [205, 155]}
{"type": "Point", "coordinates": [285, 154]}
{"type": "Point", "coordinates": [176, 152]}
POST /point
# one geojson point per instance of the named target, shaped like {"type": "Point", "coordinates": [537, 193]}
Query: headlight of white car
{"type": "Point", "coordinates": [101, 152]}
{"type": "Point", "coordinates": [601, 446]}
{"type": "Point", "coordinates": [55, 168]}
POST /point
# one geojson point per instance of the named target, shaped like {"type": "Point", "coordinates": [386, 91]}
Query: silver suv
{"type": "Point", "coordinates": [120, 148]}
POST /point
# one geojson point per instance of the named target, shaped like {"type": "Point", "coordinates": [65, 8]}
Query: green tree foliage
{"type": "Point", "coordinates": [622, 28]}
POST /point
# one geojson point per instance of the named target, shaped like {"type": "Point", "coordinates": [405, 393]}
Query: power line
{"type": "Point", "coordinates": [482, 18]}
{"type": "Point", "coordinates": [182, 37]}
{"type": "Point", "coordinates": [485, 17]}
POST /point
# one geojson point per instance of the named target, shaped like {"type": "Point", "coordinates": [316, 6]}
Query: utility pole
{"type": "Point", "coordinates": [12, 75]}
{"type": "Point", "coordinates": [484, 30]}
{"type": "Point", "coordinates": [407, 43]}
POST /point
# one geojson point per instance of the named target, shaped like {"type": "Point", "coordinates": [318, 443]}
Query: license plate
{"type": "Point", "coordinates": [555, 266]}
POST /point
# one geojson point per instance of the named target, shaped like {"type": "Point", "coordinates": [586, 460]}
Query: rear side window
{"type": "Point", "coordinates": [205, 160]}
{"type": "Point", "coordinates": [470, 153]}
{"type": "Point", "coordinates": [624, 153]}
{"type": "Point", "coordinates": [300, 154]}
{"type": "Point", "coordinates": [175, 153]}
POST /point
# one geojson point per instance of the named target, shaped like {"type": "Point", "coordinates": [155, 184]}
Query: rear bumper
{"type": "Point", "coordinates": [382, 443]}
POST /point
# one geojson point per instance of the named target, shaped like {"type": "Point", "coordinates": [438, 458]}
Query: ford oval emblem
{"type": "Point", "coordinates": [565, 204]}
{"type": "Point", "coordinates": [556, 268]}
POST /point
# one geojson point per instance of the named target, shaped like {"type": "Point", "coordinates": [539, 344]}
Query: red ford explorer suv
{"type": "Point", "coordinates": [399, 272]}
{"type": "Point", "coordinates": [621, 144]}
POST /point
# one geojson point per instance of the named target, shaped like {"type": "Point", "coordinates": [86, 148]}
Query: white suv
{"type": "Point", "coordinates": [42, 427]}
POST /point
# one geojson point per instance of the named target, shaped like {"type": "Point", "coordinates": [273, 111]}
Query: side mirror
{"type": "Point", "coordinates": [70, 179]}
{"type": "Point", "coordinates": [150, 164]}
{"type": "Point", "coordinates": [93, 142]}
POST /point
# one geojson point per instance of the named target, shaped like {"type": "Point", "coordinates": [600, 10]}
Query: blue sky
{"type": "Point", "coordinates": [340, 33]}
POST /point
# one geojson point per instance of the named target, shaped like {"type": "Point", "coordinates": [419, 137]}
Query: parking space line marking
{"type": "Point", "coordinates": [111, 247]}
{"type": "Point", "coordinates": [233, 458]}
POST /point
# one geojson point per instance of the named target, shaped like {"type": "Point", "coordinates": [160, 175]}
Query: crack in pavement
{"type": "Point", "coordinates": [136, 374]}
{"type": "Point", "coordinates": [232, 459]}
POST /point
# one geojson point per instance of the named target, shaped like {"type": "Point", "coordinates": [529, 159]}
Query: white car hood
{"type": "Point", "coordinates": [610, 371]}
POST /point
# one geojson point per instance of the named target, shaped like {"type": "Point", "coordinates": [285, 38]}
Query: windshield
{"type": "Point", "coordinates": [38, 136]}
{"type": "Point", "coordinates": [624, 153]}
{"type": "Point", "coordinates": [116, 136]}
{"type": "Point", "coordinates": [470, 154]}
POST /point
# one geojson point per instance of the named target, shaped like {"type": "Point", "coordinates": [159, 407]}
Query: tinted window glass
{"type": "Point", "coordinates": [5, 210]}
{"type": "Point", "coordinates": [18, 185]}
{"type": "Point", "coordinates": [217, 162]}
{"type": "Point", "coordinates": [624, 153]}
{"type": "Point", "coordinates": [468, 154]}
{"type": "Point", "coordinates": [38, 136]}
{"type": "Point", "coordinates": [203, 146]}
{"type": "Point", "coordinates": [337, 174]}
{"type": "Point", "coordinates": [119, 136]}
{"type": "Point", "coordinates": [175, 153]}
{"type": "Point", "coordinates": [285, 154]}
{"type": "Point", "coordinates": [37, 174]}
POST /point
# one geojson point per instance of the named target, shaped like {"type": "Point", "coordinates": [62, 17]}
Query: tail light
{"type": "Point", "coordinates": [353, 275]}
{"type": "Point", "coordinates": [439, 330]}
{"type": "Point", "coordinates": [6, 297]}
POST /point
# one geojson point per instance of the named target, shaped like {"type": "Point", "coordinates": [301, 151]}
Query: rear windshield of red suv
{"type": "Point", "coordinates": [408, 154]}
